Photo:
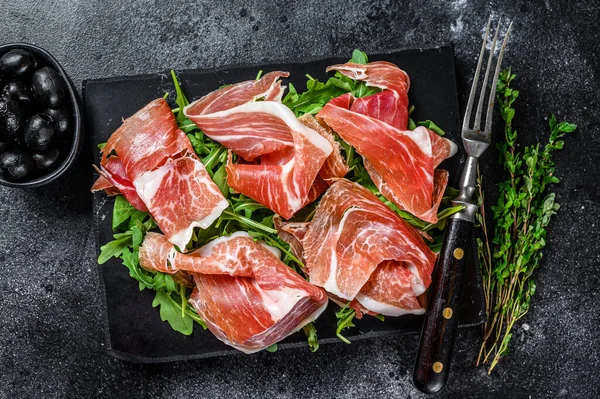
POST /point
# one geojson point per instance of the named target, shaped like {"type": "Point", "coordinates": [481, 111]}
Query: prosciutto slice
{"type": "Point", "coordinates": [401, 162]}
{"type": "Point", "coordinates": [334, 166]}
{"type": "Point", "coordinates": [180, 195]}
{"type": "Point", "coordinates": [153, 256]}
{"type": "Point", "coordinates": [280, 156]}
{"type": "Point", "coordinates": [391, 105]}
{"type": "Point", "coordinates": [358, 249]}
{"type": "Point", "coordinates": [389, 291]}
{"type": "Point", "coordinates": [247, 297]}
{"type": "Point", "coordinates": [151, 162]}
{"type": "Point", "coordinates": [113, 180]}
{"type": "Point", "coordinates": [381, 74]}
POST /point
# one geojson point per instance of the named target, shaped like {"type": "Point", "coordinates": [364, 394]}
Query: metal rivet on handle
{"type": "Point", "coordinates": [438, 367]}
{"type": "Point", "coordinates": [447, 313]}
{"type": "Point", "coordinates": [459, 253]}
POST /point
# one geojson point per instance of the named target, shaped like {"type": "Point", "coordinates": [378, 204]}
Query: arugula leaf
{"type": "Point", "coordinates": [220, 179]}
{"type": "Point", "coordinates": [131, 261]}
{"type": "Point", "coordinates": [197, 144]}
{"type": "Point", "coordinates": [362, 90]}
{"type": "Point", "coordinates": [431, 126]}
{"type": "Point", "coordinates": [181, 100]}
{"type": "Point", "coordinates": [101, 146]}
{"type": "Point", "coordinates": [170, 311]}
{"type": "Point", "coordinates": [113, 249]}
{"type": "Point", "coordinates": [379, 317]}
{"type": "Point", "coordinates": [122, 211]}
{"type": "Point", "coordinates": [317, 94]}
{"type": "Point", "coordinates": [137, 235]}
{"type": "Point", "coordinates": [272, 348]}
{"type": "Point", "coordinates": [359, 57]}
{"type": "Point", "coordinates": [311, 333]}
{"type": "Point", "coordinates": [345, 317]}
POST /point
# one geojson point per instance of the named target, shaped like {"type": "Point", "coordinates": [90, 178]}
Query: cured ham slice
{"type": "Point", "coordinates": [401, 163]}
{"type": "Point", "coordinates": [151, 162]}
{"type": "Point", "coordinates": [391, 105]}
{"type": "Point", "coordinates": [293, 233]}
{"type": "Point", "coordinates": [335, 165]}
{"type": "Point", "coordinates": [381, 74]}
{"type": "Point", "coordinates": [249, 133]}
{"type": "Point", "coordinates": [383, 106]}
{"type": "Point", "coordinates": [146, 140]}
{"type": "Point", "coordinates": [282, 155]}
{"type": "Point", "coordinates": [389, 291]}
{"type": "Point", "coordinates": [247, 297]}
{"type": "Point", "coordinates": [180, 195]}
{"type": "Point", "coordinates": [153, 256]}
{"type": "Point", "coordinates": [113, 180]}
{"type": "Point", "coordinates": [441, 148]}
{"type": "Point", "coordinates": [268, 88]}
{"type": "Point", "coordinates": [356, 248]}
{"type": "Point", "coordinates": [103, 184]}
{"type": "Point", "coordinates": [403, 160]}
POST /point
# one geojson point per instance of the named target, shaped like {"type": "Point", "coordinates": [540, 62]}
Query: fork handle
{"type": "Point", "coordinates": [437, 337]}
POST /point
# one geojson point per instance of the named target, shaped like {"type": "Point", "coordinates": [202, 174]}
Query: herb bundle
{"type": "Point", "coordinates": [522, 213]}
{"type": "Point", "coordinates": [130, 225]}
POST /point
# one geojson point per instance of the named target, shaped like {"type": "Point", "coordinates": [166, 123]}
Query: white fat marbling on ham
{"type": "Point", "coordinates": [148, 183]}
{"type": "Point", "coordinates": [279, 302]}
{"type": "Point", "coordinates": [181, 196]}
{"type": "Point", "coordinates": [384, 308]}
{"type": "Point", "coordinates": [280, 112]}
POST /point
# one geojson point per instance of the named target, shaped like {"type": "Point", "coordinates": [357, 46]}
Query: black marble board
{"type": "Point", "coordinates": [134, 329]}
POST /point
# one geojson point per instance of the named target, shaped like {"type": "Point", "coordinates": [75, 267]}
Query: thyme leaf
{"type": "Point", "coordinates": [521, 214]}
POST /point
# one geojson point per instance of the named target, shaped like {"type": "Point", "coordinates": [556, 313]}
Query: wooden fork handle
{"type": "Point", "coordinates": [437, 337]}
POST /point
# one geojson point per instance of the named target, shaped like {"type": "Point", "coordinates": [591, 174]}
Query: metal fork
{"type": "Point", "coordinates": [437, 337]}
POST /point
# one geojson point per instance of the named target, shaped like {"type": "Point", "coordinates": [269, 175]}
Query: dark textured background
{"type": "Point", "coordinates": [51, 331]}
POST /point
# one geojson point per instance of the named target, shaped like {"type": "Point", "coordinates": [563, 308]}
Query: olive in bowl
{"type": "Point", "coordinates": [16, 164]}
{"type": "Point", "coordinates": [40, 117]}
{"type": "Point", "coordinates": [11, 120]}
{"type": "Point", "coordinates": [18, 92]}
{"type": "Point", "coordinates": [48, 87]}
{"type": "Point", "coordinates": [39, 132]}
{"type": "Point", "coordinates": [18, 62]}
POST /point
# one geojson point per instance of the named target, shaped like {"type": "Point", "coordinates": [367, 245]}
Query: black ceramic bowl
{"type": "Point", "coordinates": [44, 58]}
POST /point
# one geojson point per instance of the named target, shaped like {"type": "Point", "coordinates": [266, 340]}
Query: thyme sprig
{"type": "Point", "coordinates": [522, 213]}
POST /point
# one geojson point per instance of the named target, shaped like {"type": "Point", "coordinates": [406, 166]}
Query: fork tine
{"type": "Point", "coordinates": [477, 121]}
{"type": "Point", "coordinates": [488, 117]}
{"type": "Point", "coordinates": [471, 100]}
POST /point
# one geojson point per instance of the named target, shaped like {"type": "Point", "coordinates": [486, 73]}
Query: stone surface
{"type": "Point", "coordinates": [51, 331]}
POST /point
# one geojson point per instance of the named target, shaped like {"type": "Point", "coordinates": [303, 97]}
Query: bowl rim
{"type": "Point", "coordinates": [78, 125]}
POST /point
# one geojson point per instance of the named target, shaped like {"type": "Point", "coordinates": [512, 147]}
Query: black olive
{"type": "Point", "coordinates": [11, 120]}
{"type": "Point", "coordinates": [48, 87]}
{"type": "Point", "coordinates": [18, 62]}
{"type": "Point", "coordinates": [15, 165]}
{"type": "Point", "coordinates": [39, 132]}
{"type": "Point", "coordinates": [46, 159]}
{"type": "Point", "coordinates": [17, 91]}
{"type": "Point", "coordinates": [63, 122]}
